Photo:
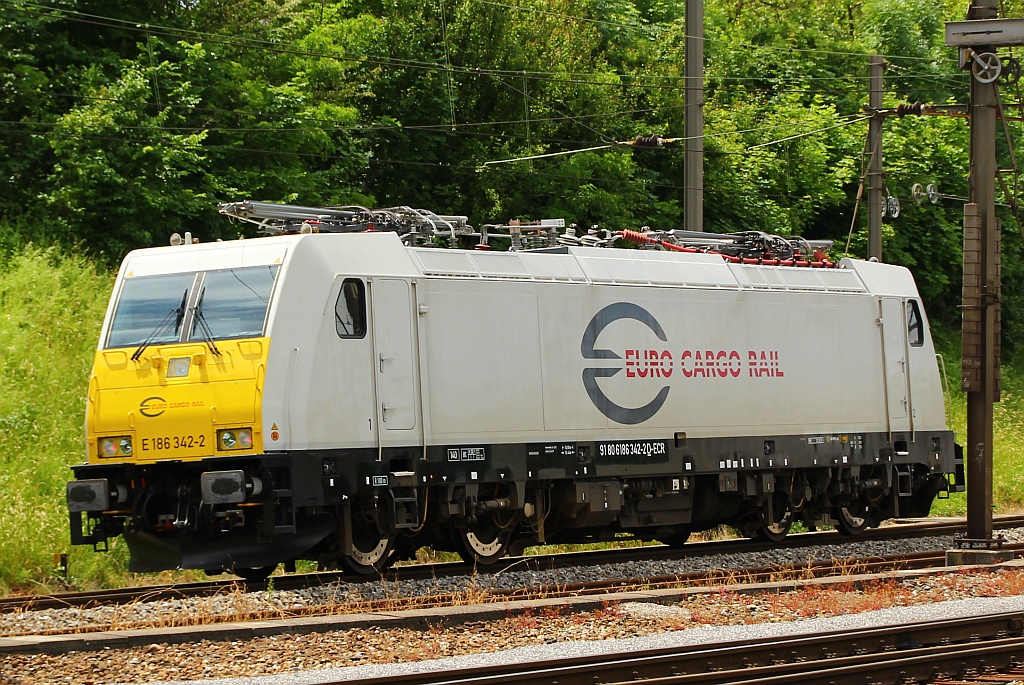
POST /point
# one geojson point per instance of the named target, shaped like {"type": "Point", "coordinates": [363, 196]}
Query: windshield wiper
{"type": "Point", "coordinates": [200, 321]}
{"type": "Point", "coordinates": [178, 313]}
{"type": "Point", "coordinates": [181, 311]}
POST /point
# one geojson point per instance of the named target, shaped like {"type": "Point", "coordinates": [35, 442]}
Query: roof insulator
{"type": "Point", "coordinates": [906, 108]}
{"type": "Point", "coordinates": [647, 141]}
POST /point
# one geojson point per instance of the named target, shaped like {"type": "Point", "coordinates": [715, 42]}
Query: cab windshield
{"type": "Point", "coordinates": [232, 303]}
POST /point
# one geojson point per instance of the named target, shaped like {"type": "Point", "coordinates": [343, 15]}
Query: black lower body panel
{"type": "Point", "coordinates": [150, 553]}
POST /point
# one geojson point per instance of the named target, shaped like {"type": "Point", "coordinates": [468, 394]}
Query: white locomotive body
{"type": "Point", "coordinates": [345, 398]}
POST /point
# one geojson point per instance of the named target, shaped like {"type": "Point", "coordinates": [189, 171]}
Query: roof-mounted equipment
{"type": "Point", "coordinates": [416, 226]}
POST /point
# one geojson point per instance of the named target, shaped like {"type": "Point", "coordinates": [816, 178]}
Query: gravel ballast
{"type": "Point", "coordinates": [554, 623]}
{"type": "Point", "coordinates": [242, 603]}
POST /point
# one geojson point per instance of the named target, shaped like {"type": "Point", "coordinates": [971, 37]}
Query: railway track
{"type": "Point", "coordinates": [947, 651]}
{"type": "Point", "coordinates": [924, 528]}
{"type": "Point", "coordinates": [931, 651]}
{"type": "Point", "coordinates": [783, 577]}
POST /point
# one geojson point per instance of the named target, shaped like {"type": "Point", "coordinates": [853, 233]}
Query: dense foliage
{"type": "Point", "coordinates": [125, 122]}
{"type": "Point", "coordinates": [121, 123]}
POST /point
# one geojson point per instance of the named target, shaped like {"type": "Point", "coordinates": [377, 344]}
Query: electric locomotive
{"type": "Point", "coordinates": [355, 385]}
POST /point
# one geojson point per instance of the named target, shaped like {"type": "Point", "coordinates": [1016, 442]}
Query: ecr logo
{"type": "Point", "coordinates": [588, 348]}
{"type": "Point", "coordinates": [152, 407]}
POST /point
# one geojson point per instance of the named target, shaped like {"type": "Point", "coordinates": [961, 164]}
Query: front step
{"type": "Point", "coordinates": [405, 509]}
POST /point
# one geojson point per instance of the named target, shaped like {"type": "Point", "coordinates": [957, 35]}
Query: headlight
{"type": "Point", "coordinates": [235, 439]}
{"type": "Point", "coordinates": [119, 446]}
{"type": "Point", "coordinates": [178, 367]}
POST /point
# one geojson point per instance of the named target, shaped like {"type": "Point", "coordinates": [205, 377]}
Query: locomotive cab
{"type": "Point", "coordinates": [173, 417]}
{"type": "Point", "coordinates": [240, 392]}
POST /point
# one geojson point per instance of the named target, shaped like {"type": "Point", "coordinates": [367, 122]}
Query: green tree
{"type": "Point", "coordinates": [123, 161]}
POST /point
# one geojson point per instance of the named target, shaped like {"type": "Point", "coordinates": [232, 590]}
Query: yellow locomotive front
{"type": "Point", "coordinates": [173, 418]}
{"type": "Point", "coordinates": [179, 374]}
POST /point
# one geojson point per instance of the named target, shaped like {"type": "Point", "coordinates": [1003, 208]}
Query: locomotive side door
{"type": "Point", "coordinates": [394, 362]}
{"type": "Point", "coordinates": [896, 361]}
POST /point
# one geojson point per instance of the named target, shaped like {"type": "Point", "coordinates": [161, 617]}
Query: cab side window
{"type": "Point", "coordinates": [915, 325]}
{"type": "Point", "coordinates": [350, 310]}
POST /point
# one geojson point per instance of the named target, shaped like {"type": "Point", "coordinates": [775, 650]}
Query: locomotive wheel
{"type": "Point", "coordinates": [482, 543]}
{"type": "Point", "coordinates": [775, 520]}
{"type": "Point", "coordinates": [775, 531]}
{"type": "Point", "coordinates": [254, 575]}
{"type": "Point", "coordinates": [676, 539]}
{"type": "Point", "coordinates": [372, 551]}
{"type": "Point", "coordinates": [854, 519]}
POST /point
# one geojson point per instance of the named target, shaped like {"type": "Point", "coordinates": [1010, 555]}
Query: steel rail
{"type": "Point", "coordinates": [913, 666]}
{"type": "Point", "coordinates": [895, 653]}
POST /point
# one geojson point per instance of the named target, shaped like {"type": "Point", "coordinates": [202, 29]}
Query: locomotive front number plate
{"type": "Point", "coordinates": [173, 442]}
{"type": "Point", "coordinates": [632, 448]}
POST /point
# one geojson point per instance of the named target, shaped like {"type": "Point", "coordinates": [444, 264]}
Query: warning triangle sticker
{"type": "Point", "coordinates": [273, 427]}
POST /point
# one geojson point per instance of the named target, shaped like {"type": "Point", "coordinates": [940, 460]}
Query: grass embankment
{"type": "Point", "coordinates": [1008, 441]}
{"type": "Point", "coordinates": [51, 307]}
